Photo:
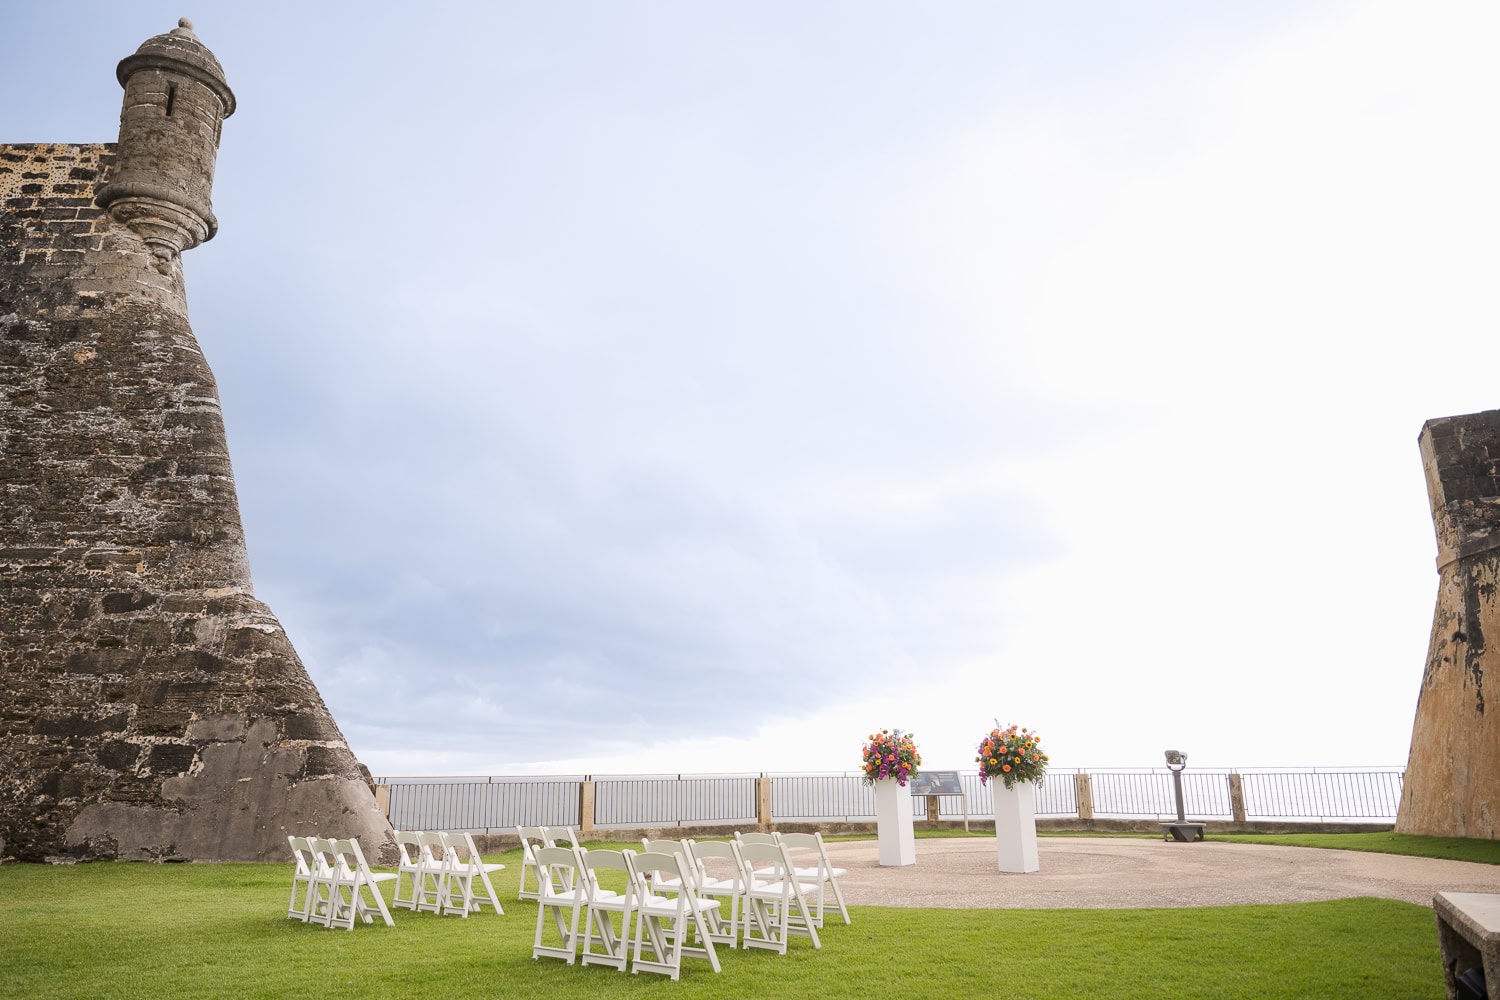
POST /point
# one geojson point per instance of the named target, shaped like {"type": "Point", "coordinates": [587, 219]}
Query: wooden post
{"type": "Point", "coordinates": [1236, 797]}
{"type": "Point", "coordinates": [383, 800]}
{"type": "Point", "coordinates": [763, 800]}
{"type": "Point", "coordinates": [1083, 791]}
{"type": "Point", "coordinates": [933, 812]}
{"type": "Point", "coordinates": [586, 806]}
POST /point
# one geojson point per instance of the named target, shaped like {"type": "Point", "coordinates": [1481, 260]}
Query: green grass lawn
{"type": "Point", "coordinates": [143, 930]}
{"type": "Point", "coordinates": [1386, 842]}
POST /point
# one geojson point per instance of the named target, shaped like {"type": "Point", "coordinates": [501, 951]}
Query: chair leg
{"type": "Point", "coordinates": [839, 898]}
{"type": "Point", "coordinates": [489, 891]}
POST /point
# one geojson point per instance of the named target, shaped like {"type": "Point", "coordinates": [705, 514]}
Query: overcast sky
{"type": "Point", "coordinates": [694, 387]}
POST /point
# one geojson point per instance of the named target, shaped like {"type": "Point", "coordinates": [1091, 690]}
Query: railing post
{"type": "Point", "coordinates": [1083, 791]}
{"type": "Point", "coordinates": [383, 800]}
{"type": "Point", "coordinates": [1236, 797]}
{"type": "Point", "coordinates": [763, 800]}
{"type": "Point", "coordinates": [934, 812]}
{"type": "Point", "coordinates": [586, 806]}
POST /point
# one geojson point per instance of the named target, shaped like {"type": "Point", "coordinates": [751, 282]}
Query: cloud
{"type": "Point", "coordinates": [754, 377]}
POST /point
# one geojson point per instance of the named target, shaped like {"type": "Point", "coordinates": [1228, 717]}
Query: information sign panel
{"type": "Point", "coordinates": [936, 783]}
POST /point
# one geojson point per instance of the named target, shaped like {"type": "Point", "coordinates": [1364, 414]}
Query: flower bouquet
{"type": "Point", "coordinates": [890, 754]}
{"type": "Point", "coordinates": [1011, 755]}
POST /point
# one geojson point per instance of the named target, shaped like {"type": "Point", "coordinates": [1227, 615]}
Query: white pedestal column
{"type": "Point", "coordinates": [898, 845]}
{"type": "Point", "coordinates": [1015, 826]}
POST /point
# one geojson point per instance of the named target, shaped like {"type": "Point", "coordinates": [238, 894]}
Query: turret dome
{"type": "Point", "coordinates": [180, 50]}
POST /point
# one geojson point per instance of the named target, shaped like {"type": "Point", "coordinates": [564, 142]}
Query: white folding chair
{"type": "Point", "coordinates": [296, 908]}
{"type": "Point", "coordinates": [352, 878]}
{"type": "Point", "coordinates": [457, 890]}
{"type": "Point", "coordinates": [664, 922]}
{"type": "Point", "coordinates": [320, 887]}
{"type": "Point", "coordinates": [432, 871]}
{"type": "Point", "coordinates": [820, 873]}
{"type": "Point", "coordinates": [531, 838]}
{"type": "Point", "coordinates": [720, 875]}
{"type": "Point", "coordinates": [463, 856]}
{"type": "Point", "coordinates": [772, 893]}
{"type": "Point", "coordinates": [411, 867]}
{"type": "Point", "coordinates": [601, 906]}
{"type": "Point", "coordinates": [561, 871]}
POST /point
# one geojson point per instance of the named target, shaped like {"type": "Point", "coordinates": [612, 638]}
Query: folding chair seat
{"type": "Point", "coordinates": [775, 900]}
{"type": "Point", "coordinates": [412, 867]}
{"type": "Point", "coordinates": [296, 908]}
{"type": "Point", "coordinates": [464, 863]}
{"type": "Point", "coordinates": [720, 875]}
{"type": "Point", "coordinates": [665, 922]}
{"type": "Point", "coordinates": [602, 904]}
{"type": "Point", "coordinates": [531, 839]}
{"type": "Point", "coordinates": [352, 879]}
{"type": "Point", "coordinates": [819, 873]}
{"type": "Point", "coordinates": [562, 889]}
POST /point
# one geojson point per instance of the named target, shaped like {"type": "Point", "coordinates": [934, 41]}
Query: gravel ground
{"type": "Point", "coordinates": [1099, 873]}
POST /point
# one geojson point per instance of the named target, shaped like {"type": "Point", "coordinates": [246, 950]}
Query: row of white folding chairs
{"type": "Point", "coordinates": [533, 838]}
{"type": "Point", "coordinates": [768, 900]}
{"type": "Point", "coordinates": [817, 870]}
{"type": "Point", "coordinates": [330, 882]}
{"type": "Point", "coordinates": [443, 873]}
{"type": "Point", "coordinates": [657, 899]}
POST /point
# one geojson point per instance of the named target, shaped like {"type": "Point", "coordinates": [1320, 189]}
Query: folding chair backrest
{"type": "Point", "coordinates": [809, 842]}
{"type": "Point", "coordinates": [300, 854]}
{"type": "Point", "coordinates": [556, 836]}
{"type": "Point", "coordinates": [456, 850]}
{"type": "Point", "coordinates": [559, 869]}
{"type": "Point", "coordinates": [471, 849]}
{"type": "Point", "coordinates": [649, 862]}
{"type": "Point", "coordinates": [726, 852]}
{"type": "Point", "coordinates": [668, 847]}
{"type": "Point", "coordinates": [765, 859]}
{"type": "Point", "coordinates": [755, 838]}
{"type": "Point", "coordinates": [410, 849]}
{"type": "Point", "coordinates": [320, 857]}
{"type": "Point", "coordinates": [432, 848]}
{"type": "Point", "coordinates": [530, 838]}
{"type": "Point", "coordinates": [602, 858]}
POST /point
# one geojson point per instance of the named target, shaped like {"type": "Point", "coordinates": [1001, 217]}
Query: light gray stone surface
{"type": "Point", "coordinates": [1096, 873]}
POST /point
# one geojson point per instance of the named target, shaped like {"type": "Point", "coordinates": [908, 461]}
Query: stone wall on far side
{"type": "Point", "coordinates": [1452, 786]}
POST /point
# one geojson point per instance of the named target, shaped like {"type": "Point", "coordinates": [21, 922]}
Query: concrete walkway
{"type": "Point", "coordinates": [1099, 873]}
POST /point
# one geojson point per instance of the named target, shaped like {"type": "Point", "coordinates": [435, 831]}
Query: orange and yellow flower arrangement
{"type": "Point", "coordinates": [1011, 755]}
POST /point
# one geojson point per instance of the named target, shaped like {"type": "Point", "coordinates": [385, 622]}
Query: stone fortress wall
{"type": "Point", "coordinates": [150, 706]}
{"type": "Point", "coordinates": [1452, 786]}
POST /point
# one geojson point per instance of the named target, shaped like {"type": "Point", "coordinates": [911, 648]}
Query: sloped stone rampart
{"type": "Point", "coordinates": [150, 706]}
{"type": "Point", "coordinates": [1452, 786]}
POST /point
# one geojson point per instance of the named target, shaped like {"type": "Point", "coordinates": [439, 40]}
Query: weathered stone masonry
{"type": "Point", "coordinates": [150, 706]}
{"type": "Point", "coordinates": [1452, 785]}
